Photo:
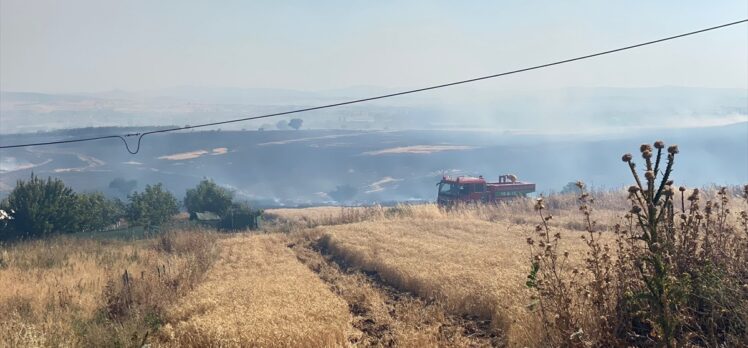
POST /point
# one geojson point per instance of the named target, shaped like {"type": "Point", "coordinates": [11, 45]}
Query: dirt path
{"type": "Point", "coordinates": [387, 317]}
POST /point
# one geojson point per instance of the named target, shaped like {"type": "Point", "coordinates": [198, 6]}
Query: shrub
{"type": "Point", "coordinates": [208, 196]}
{"type": "Point", "coordinates": [240, 217]}
{"type": "Point", "coordinates": [152, 207]}
{"type": "Point", "coordinates": [679, 276]}
{"type": "Point", "coordinates": [95, 212]}
{"type": "Point", "coordinates": [42, 207]}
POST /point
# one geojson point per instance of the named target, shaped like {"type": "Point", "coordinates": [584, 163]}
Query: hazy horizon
{"type": "Point", "coordinates": [87, 46]}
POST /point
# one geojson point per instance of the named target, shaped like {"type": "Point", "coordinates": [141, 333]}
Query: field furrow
{"type": "Point", "coordinates": [259, 294]}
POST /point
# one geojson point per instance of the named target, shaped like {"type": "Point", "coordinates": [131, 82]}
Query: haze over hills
{"type": "Point", "coordinates": [272, 168]}
{"type": "Point", "coordinates": [394, 149]}
{"type": "Point", "coordinates": [559, 110]}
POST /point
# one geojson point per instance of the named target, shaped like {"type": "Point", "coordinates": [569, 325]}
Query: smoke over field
{"type": "Point", "coordinates": [272, 168]}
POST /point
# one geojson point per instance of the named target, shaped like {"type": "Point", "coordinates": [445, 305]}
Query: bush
{"type": "Point", "coordinates": [152, 207]}
{"type": "Point", "coordinates": [679, 278]}
{"type": "Point", "coordinates": [95, 212]}
{"type": "Point", "coordinates": [42, 207]}
{"type": "Point", "coordinates": [208, 196]}
{"type": "Point", "coordinates": [240, 217]}
{"type": "Point", "coordinates": [46, 207]}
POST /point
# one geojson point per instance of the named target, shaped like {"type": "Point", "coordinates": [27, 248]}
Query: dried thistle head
{"type": "Point", "coordinates": [645, 147]}
{"type": "Point", "coordinates": [633, 189]}
{"type": "Point", "coordinates": [580, 185]}
{"type": "Point", "coordinates": [694, 195]}
{"type": "Point", "coordinates": [636, 209]}
{"type": "Point", "coordinates": [672, 149]}
{"type": "Point", "coordinates": [647, 154]}
{"type": "Point", "coordinates": [659, 144]}
{"type": "Point", "coordinates": [650, 175]}
{"type": "Point", "coordinates": [668, 191]}
{"type": "Point", "coordinates": [681, 189]}
{"type": "Point", "coordinates": [627, 157]}
{"type": "Point", "coordinates": [539, 204]}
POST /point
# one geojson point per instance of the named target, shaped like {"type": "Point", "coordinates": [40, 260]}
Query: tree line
{"type": "Point", "coordinates": [38, 208]}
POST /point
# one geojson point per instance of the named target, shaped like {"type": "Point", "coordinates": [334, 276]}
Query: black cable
{"type": "Point", "coordinates": [141, 135]}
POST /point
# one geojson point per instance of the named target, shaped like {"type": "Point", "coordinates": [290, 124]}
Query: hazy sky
{"type": "Point", "coordinates": [95, 45]}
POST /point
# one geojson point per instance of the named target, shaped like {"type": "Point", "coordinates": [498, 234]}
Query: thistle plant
{"type": "Point", "coordinates": [687, 285]}
{"type": "Point", "coordinates": [652, 210]}
{"type": "Point", "coordinates": [677, 274]}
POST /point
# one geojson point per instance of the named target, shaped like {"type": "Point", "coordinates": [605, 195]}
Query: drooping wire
{"type": "Point", "coordinates": [143, 134]}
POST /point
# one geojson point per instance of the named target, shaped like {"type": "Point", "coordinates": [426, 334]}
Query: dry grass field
{"type": "Point", "coordinates": [74, 292]}
{"type": "Point", "coordinates": [469, 265]}
{"type": "Point", "coordinates": [259, 295]}
{"type": "Point", "coordinates": [408, 276]}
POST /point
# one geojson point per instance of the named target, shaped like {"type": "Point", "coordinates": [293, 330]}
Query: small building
{"type": "Point", "coordinates": [206, 217]}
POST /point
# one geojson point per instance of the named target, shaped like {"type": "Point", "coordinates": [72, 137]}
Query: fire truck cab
{"type": "Point", "coordinates": [465, 189]}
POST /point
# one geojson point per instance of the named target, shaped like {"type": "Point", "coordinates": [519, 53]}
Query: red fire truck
{"type": "Point", "coordinates": [465, 189]}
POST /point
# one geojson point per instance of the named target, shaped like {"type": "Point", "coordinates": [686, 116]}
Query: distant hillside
{"type": "Point", "coordinates": [301, 167]}
{"type": "Point", "coordinates": [459, 108]}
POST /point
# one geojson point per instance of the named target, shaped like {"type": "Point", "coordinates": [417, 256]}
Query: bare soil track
{"type": "Point", "coordinates": [384, 316]}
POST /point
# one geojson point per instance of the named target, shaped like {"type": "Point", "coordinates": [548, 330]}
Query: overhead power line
{"type": "Point", "coordinates": [449, 84]}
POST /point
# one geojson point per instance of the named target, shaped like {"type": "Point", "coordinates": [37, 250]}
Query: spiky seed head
{"type": "Point", "coordinates": [650, 175]}
{"type": "Point", "coordinates": [633, 189]}
{"type": "Point", "coordinates": [539, 204]}
{"type": "Point", "coordinates": [659, 144]}
{"type": "Point", "coordinates": [530, 241]}
{"type": "Point", "coordinates": [647, 154]}
{"type": "Point", "coordinates": [636, 210]}
{"type": "Point", "coordinates": [645, 147]}
{"type": "Point", "coordinates": [681, 189]}
{"type": "Point", "coordinates": [580, 184]}
{"type": "Point", "coordinates": [668, 191]}
{"type": "Point", "coordinates": [627, 157]}
{"type": "Point", "coordinates": [672, 149]}
{"type": "Point", "coordinates": [694, 195]}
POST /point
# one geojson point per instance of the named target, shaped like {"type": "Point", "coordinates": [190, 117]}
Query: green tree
{"type": "Point", "coordinates": [152, 207]}
{"type": "Point", "coordinates": [282, 125]}
{"type": "Point", "coordinates": [295, 123]}
{"type": "Point", "coordinates": [95, 212]}
{"type": "Point", "coordinates": [42, 207]}
{"type": "Point", "coordinates": [208, 196]}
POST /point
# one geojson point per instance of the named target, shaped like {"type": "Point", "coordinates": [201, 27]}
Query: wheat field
{"type": "Point", "coordinates": [468, 264]}
{"type": "Point", "coordinates": [259, 295]}
{"type": "Point", "coordinates": [319, 277]}
{"type": "Point", "coordinates": [72, 292]}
